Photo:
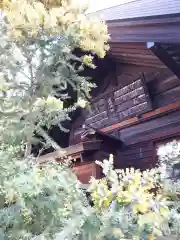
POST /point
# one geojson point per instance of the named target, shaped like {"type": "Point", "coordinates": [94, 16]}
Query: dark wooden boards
{"type": "Point", "coordinates": [73, 151]}
{"type": "Point", "coordinates": [144, 129]}
{"type": "Point", "coordinates": [158, 29]}
{"type": "Point", "coordinates": [165, 57]}
{"type": "Point", "coordinates": [139, 156]}
{"type": "Point", "coordinates": [84, 172]}
{"type": "Point", "coordinates": [134, 53]}
{"type": "Point", "coordinates": [173, 107]}
{"type": "Point", "coordinates": [119, 104]}
{"type": "Point", "coordinates": [163, 87]}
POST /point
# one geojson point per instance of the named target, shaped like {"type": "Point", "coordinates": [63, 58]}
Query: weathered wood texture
{"type": "Point", "coordinates": [140, 133]}
{"type": "Point", "coordinates": [84, 172]}
{"type": "Point", "coordinates": [145, 30]}
{"type": "Point", "coordinates": [163, 86]}
{"type": "Point", "coordinates": [168, 54]}
{"type": "Point", "coordinates": [164, 89]}
{"type": "Point", "coordinates": [135, 53]}
{"type": "Point", "coordinates": [143, 155]}
{"type": "Point", "coordinates": [85, 153]}
{"type": "Point", "coordinates": [150, 129]}
{"type": "Point", "coordinates": [140, 156]}
{"type": "Point", "coordinates": [119, 104]}
{"type": "Point", "coordinates": [103, 85]}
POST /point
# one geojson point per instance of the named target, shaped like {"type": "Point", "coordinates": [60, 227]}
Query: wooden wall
{"type": "Point", "coordinates": [140, 139]}
{"type": "Point", "coordinates": [163, 85]}
{"type": "Point", "coordinates": [85, 171]}
{"type": "Point", "coordinates": [135, 53]}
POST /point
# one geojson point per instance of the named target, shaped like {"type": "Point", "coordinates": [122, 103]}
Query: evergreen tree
{"type": "Point", "coordinates": [37, 64]}
{"type": "Point", "coordinates": [38, 40]}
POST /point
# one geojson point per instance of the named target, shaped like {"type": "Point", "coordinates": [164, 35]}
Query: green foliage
{"type": "Point", "coordinates": [38, 201]}
{"type": "Point", "coordinates": [37, 41]}
{"type": "Point", "coordinates": [131, 191]}
{"type": "Point", "coordinates": [37, 66]}
{"type": "Point", "coordinates": [143, 205]}
{"type": "Point", "coordinates": [29, 72]}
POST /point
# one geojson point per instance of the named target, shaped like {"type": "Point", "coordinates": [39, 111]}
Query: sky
{"type": "Point", "coordinates": [100, 4]}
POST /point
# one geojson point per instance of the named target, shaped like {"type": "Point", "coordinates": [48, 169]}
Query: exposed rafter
{"type": "Point", "coordinates": [165, 57]}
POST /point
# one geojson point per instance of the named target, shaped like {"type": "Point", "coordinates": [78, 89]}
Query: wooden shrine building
{"type": "Point", "coordinates": [136, 105]}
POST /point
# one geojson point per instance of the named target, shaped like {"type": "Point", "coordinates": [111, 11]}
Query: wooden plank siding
{"type": "Point", "coordinates": [139, 140]}
{"type": "Point", "coordinates": [153, 33]}
{"type": "Point", "coordinates": [143, 131]}
{"type": "Point", "coordinates": [136, 53]}
{"type": "Point", "coordinates": [162, 84]}
{"type": "Point", "coordinates": [119, 104]}
{"type": "Point", "coordinates": [173, 107]}
{"type": "Point", "coordinates": [169, 96]}
{"type": "Point", "coordinates": [85, 171]}
{"type": "Point", "coordinates": [142, 155]}
{"type": "Point", "coordinates": [140, 134]}
{"type": "Point", "coordinates": [131, 26]}
{"type": "Point", "coordinates": [139, 156]}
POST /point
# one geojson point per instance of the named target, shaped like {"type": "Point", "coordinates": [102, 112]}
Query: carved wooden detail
{"type": "Point", "coordinates": [119, 104]}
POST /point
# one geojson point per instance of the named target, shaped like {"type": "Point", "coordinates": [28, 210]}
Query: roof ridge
{"type": "Point", "coordinates": [114, 6]}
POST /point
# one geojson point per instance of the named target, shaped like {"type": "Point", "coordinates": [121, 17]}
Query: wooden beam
{"type": "Point", "coordinates": [163, 55]}
{"type": "Point", "coordinates": [144, 31]}
{"type": "Point", "coordinates": [73, 151]}
{"type": "Point", "coordinates": [144, 117]}
{"type": "Point", "coordinates": [50, 157]}
{"type": "Point", "coordinates": [166, 133]}
{"type": "Point", "coordinates": [145, 22]}
{"type": "Point", "coordinates": [142, 63]}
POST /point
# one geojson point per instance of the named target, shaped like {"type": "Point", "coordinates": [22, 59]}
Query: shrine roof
{"type": "Point", "coordinates": [139, 9]}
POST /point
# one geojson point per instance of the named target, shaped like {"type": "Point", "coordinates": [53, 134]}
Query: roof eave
{"type": "Point", "coordinates": [146, 29]}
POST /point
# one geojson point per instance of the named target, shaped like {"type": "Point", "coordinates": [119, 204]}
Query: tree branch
{"type": "Point", "coordinates": [48, 139]}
